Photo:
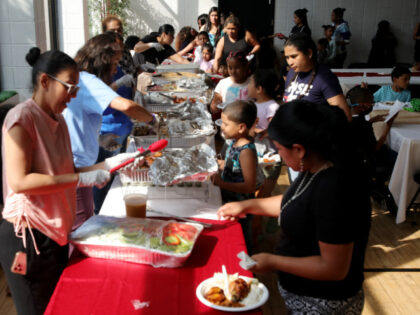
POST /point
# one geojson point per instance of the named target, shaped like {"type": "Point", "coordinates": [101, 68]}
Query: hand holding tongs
{"type": "Point", "coordinates": [154, 147]}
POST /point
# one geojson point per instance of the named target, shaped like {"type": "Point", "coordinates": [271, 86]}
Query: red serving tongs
{"type": "Point", "coordinates": [154, 147]}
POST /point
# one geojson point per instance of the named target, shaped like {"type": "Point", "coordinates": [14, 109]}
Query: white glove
{"type": "Point", "coordinates": [138, 162]}
{"type": "Point", "coordinates": [156, 46]}
{"type": "Point", "coordinates": [96, 178]}
{"type": "Point", "coordinates": [126, 80]}
{"type": "Point", "coordinates": [246, 261]}
{"type": "Point", "coordinates": [249, 57]}
{"type": "Point", "coordinates": [107, 141]}
{"type": "Point", "coordinates": [118, 159]}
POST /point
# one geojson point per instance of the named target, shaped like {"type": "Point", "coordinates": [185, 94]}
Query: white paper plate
{"type": "Point", "coordinates": [274, 158]}
{"type": "Point", "coordinates": [199, 292]}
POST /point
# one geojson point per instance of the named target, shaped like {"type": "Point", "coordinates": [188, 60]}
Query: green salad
{"type": "Point", "coordinates": [165, 236]}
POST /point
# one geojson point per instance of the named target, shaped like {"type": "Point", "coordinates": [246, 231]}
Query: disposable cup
{"type": "Point", "coordinates": [135, 204]}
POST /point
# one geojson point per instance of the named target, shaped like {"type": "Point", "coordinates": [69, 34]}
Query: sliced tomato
{"type": "Point", "coordinates": [185, 231]}
{"type": "Point", "coordinates": [171, 239]}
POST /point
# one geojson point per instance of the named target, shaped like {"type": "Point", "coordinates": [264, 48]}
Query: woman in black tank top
{"type": "Point", "coordinates": [234, 40]}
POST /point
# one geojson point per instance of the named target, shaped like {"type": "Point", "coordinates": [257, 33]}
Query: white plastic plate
{"type": "Point", "coordinates": [203, 285]}
{"type": "Point", "coordinates": [273, 159]}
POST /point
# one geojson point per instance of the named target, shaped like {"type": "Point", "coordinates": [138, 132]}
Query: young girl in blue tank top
{"type": "Point", "coordinates": [238, 175]}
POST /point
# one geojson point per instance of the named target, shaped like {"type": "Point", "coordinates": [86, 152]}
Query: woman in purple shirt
{"type": "Point", "coordinates": [306, 79]}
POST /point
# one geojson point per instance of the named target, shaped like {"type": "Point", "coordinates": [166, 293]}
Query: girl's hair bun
{"type": "Point", "coordinates": [305, 10]}
{"type": "Point", "coordinates": [33, 55]}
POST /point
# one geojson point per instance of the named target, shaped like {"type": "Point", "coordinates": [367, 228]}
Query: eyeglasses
{"type": "Point", "coordinates": [71, 88]}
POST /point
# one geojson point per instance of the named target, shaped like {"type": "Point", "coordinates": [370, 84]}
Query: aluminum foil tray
{"type": "Point", "coordinates": [145, 241]}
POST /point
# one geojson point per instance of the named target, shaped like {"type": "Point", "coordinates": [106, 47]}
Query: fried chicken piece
{"type": "Point", "coordinates": [239, 289]}
{"type": "Point", "coordinates": [149, 161]}
{"type": "Point", "coordinates": [216, 296]}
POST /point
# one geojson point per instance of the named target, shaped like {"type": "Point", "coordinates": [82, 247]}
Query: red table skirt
{"type": "Point", "coordinates": [100, 286]}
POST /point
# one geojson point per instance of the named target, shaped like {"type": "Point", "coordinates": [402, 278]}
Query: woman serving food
{"type": "Point", "coordinates": [97, 61]}
{"type": "Point", "coordinates": [156, 47]}
{"type": "Point", "coordinates": [40, 183]}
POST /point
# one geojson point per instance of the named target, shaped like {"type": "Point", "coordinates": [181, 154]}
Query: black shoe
{"type": "Point", "coordinates": [391, 205]}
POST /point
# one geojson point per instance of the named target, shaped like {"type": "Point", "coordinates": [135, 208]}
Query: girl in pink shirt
{"type": "Point", "coordinates": [39, 183]}
{"type": "Point", "coordinates": [207, 62]}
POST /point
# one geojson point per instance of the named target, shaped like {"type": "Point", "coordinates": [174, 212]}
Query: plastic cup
{"type": "Point", "coordinates": [135, 205]}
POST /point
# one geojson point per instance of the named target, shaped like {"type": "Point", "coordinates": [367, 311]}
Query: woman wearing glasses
{"type": "Point", "coordinates": [40, 183]}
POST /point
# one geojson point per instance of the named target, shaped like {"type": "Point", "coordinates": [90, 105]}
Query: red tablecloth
{"type": "Point", "coordinates": [99, 286]}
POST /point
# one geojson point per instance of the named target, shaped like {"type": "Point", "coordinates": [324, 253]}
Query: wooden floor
{"type": "Point", "coordinates": [6, 303]}
{"type": "Point", "coordinates": [392, 283]}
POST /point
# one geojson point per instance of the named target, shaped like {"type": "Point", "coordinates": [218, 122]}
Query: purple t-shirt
{"type": "Point", "coordinates": [324, 86]}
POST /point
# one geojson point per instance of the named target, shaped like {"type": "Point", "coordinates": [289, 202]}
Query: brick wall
{"type": "Point", "coordinates": [363, 17]}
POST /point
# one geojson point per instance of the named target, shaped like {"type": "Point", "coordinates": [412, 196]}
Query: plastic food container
{"type": "Point", "coordinates": [144, 241]}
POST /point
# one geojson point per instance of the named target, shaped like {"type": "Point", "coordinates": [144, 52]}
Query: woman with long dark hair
{"type": "Point", "coordinates": [300, 19]}
{"type": "Point", "coordinates": [97, 61]}
{"type": "Point", "coordinates": [214, 27]}
{"type": "Point", "coordinates": [156, 47]}
{"type": "Point", "coordinates": [235, 40]}
{"type": "Point", "coordinates": [319, 257]}
{"type": "Point", "coordinates": [306, 79]}
{"type": "Point", "coordinates": [301, 22]}
{"type": "Point", "coordinates": [382, 53]}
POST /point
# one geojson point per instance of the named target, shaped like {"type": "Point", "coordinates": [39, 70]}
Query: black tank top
{"type": "Point", "coordinates": [239, 45]}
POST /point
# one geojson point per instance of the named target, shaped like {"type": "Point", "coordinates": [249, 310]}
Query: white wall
{"type": "Point", "coordinates": [23, 24]}
{"type": "Point", "coordinates": [363, 17]}
{"type": "Point", "coordinates": [72, 25]}
{"type": "Point", "coordinates": [18, 21]}
{"type": "Point", "coordinates": [146, 16]}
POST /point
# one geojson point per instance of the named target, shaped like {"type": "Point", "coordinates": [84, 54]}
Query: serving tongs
{"type": "Point", "coordinates": [154, 147]}
{"type": "Point", "coordinates": [206, 225]}
{"type": "Point", "coordinates": [167, 96]}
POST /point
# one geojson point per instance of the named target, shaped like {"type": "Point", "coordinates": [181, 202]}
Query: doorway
{"type": "Point", "coordinates": [254, 15]}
